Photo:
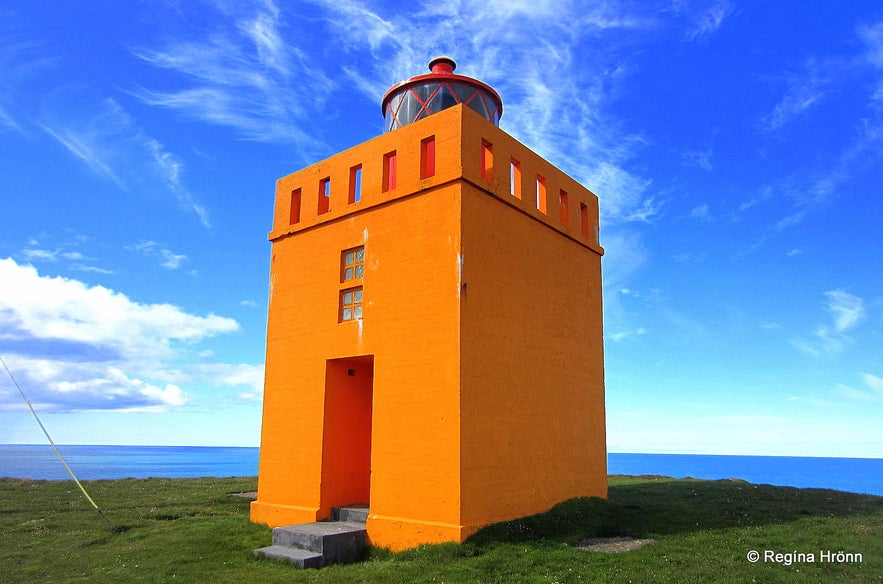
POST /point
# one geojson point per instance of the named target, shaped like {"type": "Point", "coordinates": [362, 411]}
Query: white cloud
{"type": "Point", "coordinates": [846, 311]}
{"type": "Point", "coordinates": [698, 158]}
{"type": "Point", "coordinates": [169, 259]}
{"type": "Point", "coordinates": [874, 383]}
{"type": "Point", "coordinates": [83, 347]}
{"type": "Point", "coordinates": [250, 377]}
{"type": "Point", "coordinates": [806, 89]}
{"type": "Point", "coordinates": [48, 308]}
{"type": "Point", "coordinates": [701, 213]}
{"type": "Point", "coordinates": [50, 255]}
{"type": "Point", "coordinates": [622, 335]}
{"type": "Point", "coordinates": [872, 393]}
{"type": "Point", "coordinates": [84, 147]}
{"type": "Point", "coordinates": [554, 99]}
{"type": "Point", "coordinates": [250, 76]}
{"type": "Point", "coordinates": [110, 143]}
{"type": "Point", "coordinates": [710, 20]}
{"type": "Point", "coordinates": [7, 121]}
{"type": "Point", "coordinates": [873, 38]}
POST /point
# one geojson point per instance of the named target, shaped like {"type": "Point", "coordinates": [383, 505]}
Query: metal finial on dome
{"type": "Point", "coordinates": [442, 65]}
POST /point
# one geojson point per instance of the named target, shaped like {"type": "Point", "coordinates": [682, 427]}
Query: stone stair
{"type": "Point", "coordinates": [314, 545]}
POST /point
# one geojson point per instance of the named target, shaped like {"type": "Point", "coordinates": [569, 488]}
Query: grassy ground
{"type": "Point", "coordinates": [193, 530]}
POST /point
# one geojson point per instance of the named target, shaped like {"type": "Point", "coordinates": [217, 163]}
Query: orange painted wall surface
{"type": "Point", "coordinates": [532, 374]}
{"type": "Point", "coordinates": [409, 326]}
{"type": "Point", "coordinates": [483, 320]}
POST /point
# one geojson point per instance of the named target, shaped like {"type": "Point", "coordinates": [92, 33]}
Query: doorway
{"type": "Point", "coordinates": [346, 438]}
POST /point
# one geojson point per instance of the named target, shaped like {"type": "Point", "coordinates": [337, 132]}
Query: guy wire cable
{"type": "Point", "coordinates": [54, 447]}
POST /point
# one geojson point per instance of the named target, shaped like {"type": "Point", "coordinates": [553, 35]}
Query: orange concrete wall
{"type": "Point", "coordinates": [410, 326]}
{"type": "Point", "coordinates": [532, 393]}
{"type": "Point", "coordinates": [532, 377]}
{"type": "Point", "coordinates": [482, 315]}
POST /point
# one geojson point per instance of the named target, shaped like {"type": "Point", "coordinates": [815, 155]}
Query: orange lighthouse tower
{"type": "Point", "coordinates": [434, 344]}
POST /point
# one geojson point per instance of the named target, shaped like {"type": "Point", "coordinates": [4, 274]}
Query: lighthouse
{"type": "Point", "coordinates": [434, 338]}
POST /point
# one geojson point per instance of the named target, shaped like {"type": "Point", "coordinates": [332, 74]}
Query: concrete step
{"type": "Point", "coordinates": [354, 513]}
{"type": "Point", "coordinates": [302, 558]}
{"type": "Point", "coordinates": [336, 541]}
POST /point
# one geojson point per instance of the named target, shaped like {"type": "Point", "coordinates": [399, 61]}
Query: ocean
{"type": "Point", "coordinates": [858, 475]}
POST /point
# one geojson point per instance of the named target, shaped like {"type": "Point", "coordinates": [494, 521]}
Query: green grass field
{"type": "Point", "coordinates": [194, 530]}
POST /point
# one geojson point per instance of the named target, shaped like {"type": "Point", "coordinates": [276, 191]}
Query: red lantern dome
{"type": "Point", "coordinates": [425, 95]}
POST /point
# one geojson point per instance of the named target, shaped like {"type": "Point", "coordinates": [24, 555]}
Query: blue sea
{"type": "Point", "coordinates": [858, 475]}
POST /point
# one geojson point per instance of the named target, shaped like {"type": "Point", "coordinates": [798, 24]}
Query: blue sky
{"type": "Point", "coordinates": [736, 148]}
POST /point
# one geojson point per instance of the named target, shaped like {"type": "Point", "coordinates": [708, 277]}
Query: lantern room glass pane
{"type": "Point", "coordinates": [442, 100]}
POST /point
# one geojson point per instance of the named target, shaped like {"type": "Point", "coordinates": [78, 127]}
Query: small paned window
{"type": "Point", "coordinates": [352, 264]}
{"type": "Point", "coordinates": [351, 304]}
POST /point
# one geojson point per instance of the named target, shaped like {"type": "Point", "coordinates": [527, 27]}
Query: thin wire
{"type": "Point", "coordinates": [52, 442]}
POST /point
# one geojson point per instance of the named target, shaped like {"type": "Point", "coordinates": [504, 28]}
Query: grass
{"type": "Point", "coordinates": [193, 530]}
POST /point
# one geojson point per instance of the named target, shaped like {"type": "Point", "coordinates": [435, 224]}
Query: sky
{"type": "Point", "coordinates": [736, 149]}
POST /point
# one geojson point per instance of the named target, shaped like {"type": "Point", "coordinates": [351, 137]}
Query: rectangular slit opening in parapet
{"type": "Point", "coordinates": [324, 195]}
{"type": "Point", "coordinates": [565, 208]}
{"type": "Point", "coordinates": [487, 160]}
{"type": "Point", "coordinates": [355, 191]}
{"type": "Point", "coordinates": [389, 171]}
{"type": "Point", "coordinates": [515, 178]}
{"type": "Point", "coordinates": [541, 194]}
{"type": "Point", "coordinates": [294, 210]}
{"type": "Point", "coordinates": [427, 157]}
{"type": "Point", "coordinates": [584, 220]}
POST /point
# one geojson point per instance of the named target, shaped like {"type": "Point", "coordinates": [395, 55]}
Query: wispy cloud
{"type": "Point", "coordinates": [872, 36]}
{"type": "Point", "coordinates": [63, 248]}
{"type": "Point", "coordinates": [247, 75]}
{"type": "Point", "coordinates": [86, 347]}
{"type": "Point", "coordinates": [168, 259]}
{"type": "Point", "coordinates": [555, 103]}
{"type": "Point", "coordinates": [701, 213]}
{"type": "Point", "coordinates": [805, 90]}
{"type": "Point", "coordinates": [698, 158]}
{"type": "Point", "coordinates": [85, 147]}
{"type": "Point", "coordinates": [708, 19]}
{"type": "Point", "coordinates": [111, 144]}
{"type": "Point", "coordinates": [6, 121]}
{"type": "Point", "coordinates": [622, 335]}
{"type": "Point", "coordinates": [846, 311]}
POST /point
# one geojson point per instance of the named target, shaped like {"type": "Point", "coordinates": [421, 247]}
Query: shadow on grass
{"type": "Point", "coordinates": [653, 506]}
